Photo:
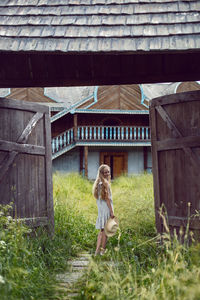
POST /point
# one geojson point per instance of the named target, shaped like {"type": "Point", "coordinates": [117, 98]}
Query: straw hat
{"type": "Point", "coordinates": [111, 226]}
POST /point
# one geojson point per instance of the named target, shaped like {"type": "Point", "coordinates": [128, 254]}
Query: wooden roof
{"type": "Point", "coordinates": [30, 95]}
{"type": "Point", "coordinates": [93, 42]}
{"type": "Point", "coordinates": [121, 97]}
{"type": "Point", "coordinates": [99, 25]}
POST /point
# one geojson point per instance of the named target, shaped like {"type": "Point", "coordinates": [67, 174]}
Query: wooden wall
{"type": "Point", "coordinates": [123, 97]}
{"type": "Point", "coordinates": [29, 94]}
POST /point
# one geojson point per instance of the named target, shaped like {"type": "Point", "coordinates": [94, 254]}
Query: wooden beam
{"type": "Point", "coordinates": [21, 148]}
{"type": "Point", "coordinates": [22, 139]}
{"type": "Point", "coordinates": [81, 160]}
{"type": "Point", "coordinates": [86, 160]}
{"type": "Point", "coordinates": [75, 127]}
{"type": "Point", "coordinates": [145, 153]}
{"type": "Point", "coordinates": [96, 68]}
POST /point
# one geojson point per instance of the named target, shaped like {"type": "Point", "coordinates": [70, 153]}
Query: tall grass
{"type": "Point", "coordinates": [136, 265]}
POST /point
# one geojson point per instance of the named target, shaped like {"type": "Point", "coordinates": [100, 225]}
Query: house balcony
{"type": "Point", "coordinates": [100, 136]}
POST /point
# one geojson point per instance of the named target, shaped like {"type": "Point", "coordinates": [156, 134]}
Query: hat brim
{"type": "Point", "coordinates": [110, 233]}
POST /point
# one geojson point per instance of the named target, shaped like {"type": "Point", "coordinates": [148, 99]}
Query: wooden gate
{"type": "Point", "coordinates": [175, 137]}
{"type": "Point", "coordinates": [25, 161]}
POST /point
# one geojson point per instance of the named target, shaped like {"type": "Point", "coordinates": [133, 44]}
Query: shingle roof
{"type": "Point", "coordinates": [99, 25]}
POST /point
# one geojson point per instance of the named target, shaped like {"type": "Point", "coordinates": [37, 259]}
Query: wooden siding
{"type": "Point", "coordinates": [29, 94]}
{"type": "Point", "coordinates": [122, 97]}
{"type": "Point", "coordinates": [188, 86]}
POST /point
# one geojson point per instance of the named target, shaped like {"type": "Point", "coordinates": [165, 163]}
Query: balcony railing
{"type": "Point", "coordinates": [100, 133]}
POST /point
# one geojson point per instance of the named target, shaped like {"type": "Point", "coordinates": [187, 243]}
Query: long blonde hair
{"type": "Point", "coordinates": [105, 183]}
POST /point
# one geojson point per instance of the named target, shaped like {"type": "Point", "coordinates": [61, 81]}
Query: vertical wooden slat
{"type": "Point", "coordinates": [48, 169]}
{"type": "Point", "coordinates": [145, 153]}
{"type": "Point", "coordinates": [81, 160]}
{"type": "Point", "coordinates": [95, 132]}
{"type": "Point", "coordinates": [138, 133]}
{"type": "Point", "coordinates": [75, 127]}
{"type": "Point", "coordinates": [118, 137]}
{"type": "Point", "coordinates": [53, 145]}
{"type": "Point", "coordinates": [86, 132]}
{"type": "Point", "coordinates": [143, 133]}
{"type": "Point", "coordinates": [135, 133]}
{"type": "Point", "coordinates": [102, 133]}
{"type": "Point", "coordinates": [131, 133]}
{"type": "Point", "coordinates": [155, 167]}
{"type": "Point", "coordinates": [86, 160]}
{"type": "Point", "coordinates": [65, 139]}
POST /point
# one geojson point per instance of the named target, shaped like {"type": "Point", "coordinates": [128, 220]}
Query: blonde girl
{"type": "Point", "coordinates": [103, 195]}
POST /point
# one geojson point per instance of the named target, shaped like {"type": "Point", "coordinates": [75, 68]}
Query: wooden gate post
{"type": "Point", "coordinates": [86, 160]}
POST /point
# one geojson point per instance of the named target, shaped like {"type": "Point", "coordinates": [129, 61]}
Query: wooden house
{"type": "Point", "coordinates": [95, 125]}
{"type": "Point", "coordinates": [112, 127]}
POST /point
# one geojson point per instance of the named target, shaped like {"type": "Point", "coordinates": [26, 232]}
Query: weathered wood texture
{"type": "Point", "coordinates": [25, 161]}
{"type": "Point", "coordinates": [175, 137]}
{"type": "Point", "coordinates": [124, 97]}
{"type": "Point", "coordinates": [29, 94]}
{"type": "Point", "coordinates": [90, 42]}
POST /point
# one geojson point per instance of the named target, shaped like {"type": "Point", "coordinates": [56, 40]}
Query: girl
{"type": "Point", "coordinates": [102, 192]}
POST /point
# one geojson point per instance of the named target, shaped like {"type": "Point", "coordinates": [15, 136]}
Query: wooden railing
{"type": "Point", "coordinates": [100, 133]}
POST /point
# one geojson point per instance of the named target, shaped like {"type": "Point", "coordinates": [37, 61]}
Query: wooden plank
{"type": "Point", "coordinates": [155, 167]}
{"type": "Point", "coordinates": [22, 139]}
{"type": "Point", "coordinates": [21, 148]}
{"type": "Point", "coordinates": [81, 160]}
{"type": "Point", "coordinates": [176, 133]}
{"type": "Point", "coordinates": [75, 127]}
{"type": "Point", "coordinates": [182, 221]}
{"type": "Point", "coordinates": [27, 131]}
{"type": "Point", "coordinates": [178, 143]}
{"type": "Point", "coordinates": [34, 222]}
{"type": "Point", "coordinates": [23, 105]}
{"type": "Point", "coordinates": [145, 153]}
{"type": "Point", "coordinates": [176, 98]}
{"type": "Point", "coordinates": [48, 170]}
{"type": "Point", "coordinates": [86, 160]}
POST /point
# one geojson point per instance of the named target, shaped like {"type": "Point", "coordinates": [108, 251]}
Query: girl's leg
{"type": "Point", "coordinates": [99, 241]}
{"type": "Point", "coordinates": [103, 241]}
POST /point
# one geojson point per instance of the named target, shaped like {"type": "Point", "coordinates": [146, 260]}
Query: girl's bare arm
{"type": "Point", "coordinates": [109, 206]}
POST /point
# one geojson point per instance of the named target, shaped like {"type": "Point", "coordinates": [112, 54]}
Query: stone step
{"type": "Point", "coordinates": [79, 263]}
{"type": "Point", "coordinates": [67, 281]}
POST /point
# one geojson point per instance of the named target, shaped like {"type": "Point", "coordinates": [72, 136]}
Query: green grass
{"type": "Point", "coordinates": [141, 267]}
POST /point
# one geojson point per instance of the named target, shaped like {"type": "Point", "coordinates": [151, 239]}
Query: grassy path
{"type": "Point", "coordinates": [66, 282]}
{"type": "Point", "coordinates": [136, 265]}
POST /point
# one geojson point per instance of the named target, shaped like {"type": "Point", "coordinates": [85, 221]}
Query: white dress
{"type": "Point", "coordinates": [103, 209]}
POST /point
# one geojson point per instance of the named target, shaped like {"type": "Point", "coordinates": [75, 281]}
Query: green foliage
{"type": "Point", "coordinates": [136, 266]}
{"type": "Point", "coordinates": [29, 260]}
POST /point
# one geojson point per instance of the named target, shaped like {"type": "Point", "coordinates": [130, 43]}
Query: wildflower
{"type": "Point", "coordinates": [116, 248]}
{"type": "Point", "coordinates": [2, 244]}
{"type": "Point", "coordinates": [2, 279]}
{"type": "Point", "coordinates": [9, 218]}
